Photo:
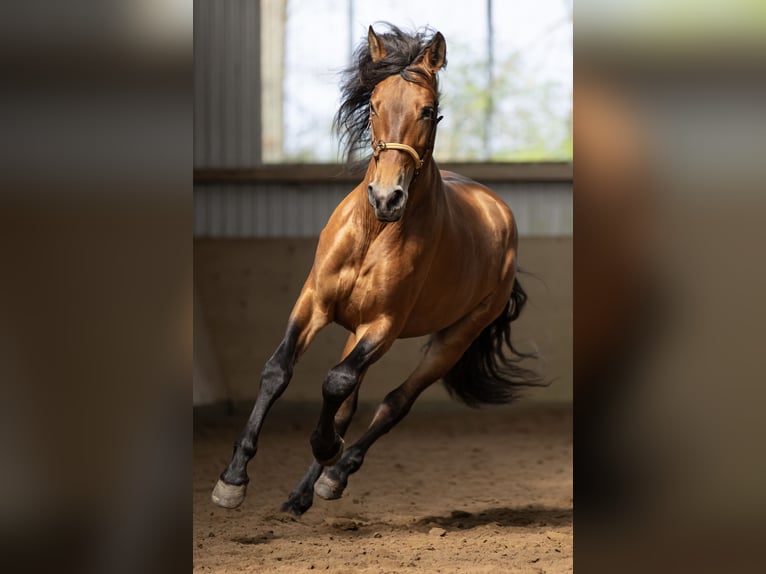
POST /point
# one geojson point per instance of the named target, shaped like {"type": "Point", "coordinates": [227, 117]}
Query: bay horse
{"type": "Point", "coordinates": [411, 251]}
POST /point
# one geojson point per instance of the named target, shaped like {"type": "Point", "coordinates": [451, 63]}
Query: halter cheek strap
{"type": "Point", "coordinates": [379, 146]}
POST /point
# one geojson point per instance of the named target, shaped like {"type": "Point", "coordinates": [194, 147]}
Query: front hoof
{"type": "Point", "coordinates": [328, 488]}
{"type": "Point", "coordinates": [228, 495]}
{"type": "Point", "coordinates": [331, 460]}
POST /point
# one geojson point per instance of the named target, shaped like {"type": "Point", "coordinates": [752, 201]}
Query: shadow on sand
{"type": "Point", "coordinates": [531, 515]}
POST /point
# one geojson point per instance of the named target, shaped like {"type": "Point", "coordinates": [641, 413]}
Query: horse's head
{"type": "Point", "coordinates": [403, 118]}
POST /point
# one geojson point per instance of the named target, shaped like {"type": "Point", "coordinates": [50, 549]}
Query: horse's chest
{"type": "Point", "coordinates": [350, 305]}
{"type": "Point", "coordinates": [371, 288]}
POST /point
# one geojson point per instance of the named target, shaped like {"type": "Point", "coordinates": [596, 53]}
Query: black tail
{"type": "Point", "coordinates": [485, 374]}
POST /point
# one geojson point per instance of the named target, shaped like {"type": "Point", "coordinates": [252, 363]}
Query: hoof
{"type": "Point", "coordinates": [336, 457]}
{"type": "Point", "coordinates": [228, 495]}
{"type": "Point", "coordinates": [328, 488]}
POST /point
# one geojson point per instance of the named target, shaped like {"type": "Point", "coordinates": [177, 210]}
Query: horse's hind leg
{"type": "Point", "coordinates": [229, 491]}
{"type": "Point", "coordinates": [302, 496]}
{"type": "Point", "coordinates": [444, 350]}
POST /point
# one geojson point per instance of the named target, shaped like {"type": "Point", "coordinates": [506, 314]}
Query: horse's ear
{"type": "Point", "coordinates": [377, 51]}
{"type": "Point", "coordinates": [436, 54]}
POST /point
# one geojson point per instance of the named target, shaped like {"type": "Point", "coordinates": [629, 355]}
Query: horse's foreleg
{"type": "Point", "coordinates": [302, 496]}
{"type": "Point", "coordinates": [342, 380]}
{"type": "Point", "coordinates": [229, 491]}
{"type": "Point", "coordinates": [444, 350]}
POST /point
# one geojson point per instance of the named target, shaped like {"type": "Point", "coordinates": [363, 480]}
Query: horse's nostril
{"type": "Point", "coordinates": [396, 199]}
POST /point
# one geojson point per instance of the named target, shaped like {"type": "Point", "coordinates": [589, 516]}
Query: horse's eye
{"type": "Point", "coordinates": [427, 113]}
{"type": "Point", "coordinates": [372, 110]}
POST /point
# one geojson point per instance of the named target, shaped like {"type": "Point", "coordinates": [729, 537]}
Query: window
{"type": "Point", "coordinates": [507, 88]}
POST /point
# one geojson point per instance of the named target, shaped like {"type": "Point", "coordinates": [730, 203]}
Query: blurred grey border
{"type": "Point", "coordinates": [96, 287]}
{"type": "Point", "coordinates": [670, 133]}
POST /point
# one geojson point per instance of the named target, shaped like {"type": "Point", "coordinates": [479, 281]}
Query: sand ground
{"type": "Point", "coordinates": [451, 489]}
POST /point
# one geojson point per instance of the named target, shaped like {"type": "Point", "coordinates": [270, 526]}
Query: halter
{"type": "Point", "coordinates": [379, 146]}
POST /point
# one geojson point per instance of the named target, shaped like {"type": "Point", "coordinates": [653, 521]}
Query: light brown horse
{"type": "Point", "coordinates": [410, 251]}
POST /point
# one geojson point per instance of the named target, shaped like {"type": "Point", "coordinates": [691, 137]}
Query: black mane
{"type": "Point", "coordinates": [403, 51]}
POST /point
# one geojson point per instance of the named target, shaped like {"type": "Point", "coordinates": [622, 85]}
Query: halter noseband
{"type": "Point", "coordinates": [382, 146]}
{"type": "Point", "coordinates": [379, 146]}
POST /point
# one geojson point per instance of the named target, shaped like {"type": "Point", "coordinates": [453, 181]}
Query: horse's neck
{"type": "Point", "coordinates": [424, 206]}
{"type": "Point", "coordinates": [426, 197]}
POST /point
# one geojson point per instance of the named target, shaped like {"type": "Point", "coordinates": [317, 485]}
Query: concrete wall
{"type": "Point", "coordinates": [247, 287]}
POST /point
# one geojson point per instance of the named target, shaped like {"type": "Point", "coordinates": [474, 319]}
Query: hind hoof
{"type": "Point", "coordinates": [295, 509]}
{"type": "Point", "coordinates": [328, 488]}
{"type": "Point", "coordinates": [336, 457]}
{"type": "Point", "coordinates": [228, 495]}
{"type": "Point", "coordinates": [298, 504]}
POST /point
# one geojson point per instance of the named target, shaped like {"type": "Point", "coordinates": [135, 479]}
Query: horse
{"type": "Point", "coordinates": [411, 251]}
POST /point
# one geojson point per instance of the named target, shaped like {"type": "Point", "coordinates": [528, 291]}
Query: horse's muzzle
{"type": "Point", "coordinates": [389, 206]}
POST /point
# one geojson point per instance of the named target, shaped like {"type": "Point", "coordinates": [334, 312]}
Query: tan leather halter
{"type": "Point", "coordinates": [379, 146]}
